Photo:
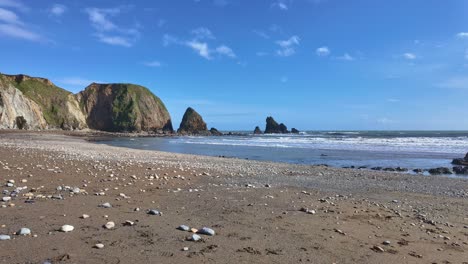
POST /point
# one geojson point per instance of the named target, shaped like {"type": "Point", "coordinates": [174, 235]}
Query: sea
{"type": "Point", "coordinates": [408, 149]}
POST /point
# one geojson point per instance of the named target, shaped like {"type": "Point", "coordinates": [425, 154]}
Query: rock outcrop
{"type": "Point", "coordinates": [272, 127]}
{"type": "Point", "coordinates": [295, 131]}
{"type": "Point", "coordinates": [124, 108]}
{"type": "Point", "coordinates": [257, 131]}
{"type": "Point", "coordinates": [462, 161]}
{"type": "Point", "coordinates": [16, 110]}
{"type": "Point", "coordinates": [192, 123]}
{"type": "Point", "coordinates": [59, 108]}
{"type": "Point", "coordinates": [215, 132]}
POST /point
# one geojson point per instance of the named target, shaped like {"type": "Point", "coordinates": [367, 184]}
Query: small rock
{"type": "Point", "coordinates": [154, 212]}
{"type": "Point", "coordinates": [99, 246]}
{"type": "Point", "coordinates": [24, 231]}
{"type": "Point", "coordinates": [206, 231]}
{"type": "Point", "coordinates": [194, 238]}
{"type": "Point", "coordinates": [4, 237]}
{"type": "Point", "coordinates": [183, 228]}
{"type": "Point", "coordinates": [378, 249]}
{"type": "Point", "coordinates": [84, 216]}
{"type": "Point", "coordinates": [67, 228]}
{"type": "Point", "coordinates": [129, 223]}
{"type": "Point", "coordinates": [109, 225]}
{"type": "Point", "coordinates": [6, 199]}
{"type": "Point", "coordinates": [105, 205]}
{"type": "Point", "coordinates": [386, 242]}
{"type": "Point", "coordinates": [185, 249]}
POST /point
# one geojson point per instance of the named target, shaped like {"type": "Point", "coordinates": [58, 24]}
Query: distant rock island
{"type": "Point", "coordinates": [272, 127]}
{"type": "Point", "coordinates": [36, 103]}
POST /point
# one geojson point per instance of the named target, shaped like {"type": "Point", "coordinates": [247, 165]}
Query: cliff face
{"type": "Point", "coordinates": [123, 108]}
{"type": "Point", "coordinates": [16, 110]}
{"type": "Point", "coordinates": [192, 123]}
{"type": "Point", "coordinates": [59, 108]}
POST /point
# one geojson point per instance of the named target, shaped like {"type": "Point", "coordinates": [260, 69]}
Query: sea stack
{"type": "Point", "coordinates": [215, 132]}
{"type": "Point", "coordinates": [192, 123]}
{"type": "Point", "coordinates": [295, 131]}
{"type": "Point", "coordinates": [257, 131]}
{"type": "Point", "coordinates": [272, 127]}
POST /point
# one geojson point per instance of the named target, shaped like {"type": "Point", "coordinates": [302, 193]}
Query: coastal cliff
{"type": "Point", "coordinates": [124, 108]}
{"type": "Point", "coordinates": [36, 103]}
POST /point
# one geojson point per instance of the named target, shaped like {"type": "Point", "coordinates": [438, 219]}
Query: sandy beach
{"type": "Point", "coordinates": [261, 212]}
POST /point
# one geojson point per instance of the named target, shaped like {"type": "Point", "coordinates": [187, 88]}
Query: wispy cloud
{"type": "Point", "coordinates": [17, 4]}
{"type": "Point", "coordinates": [261, 34]}
{"type": "Point", "coordinates": [323, 51]}
{"type": "Point", "coordinates": [107, 31]}
{"type": "Point", "coordinates": [225, 50]}
{"type": "Point", "coordinates": [57, 10]}
{"type": "Point", "coordinates": [201, 48]}
{"type": "Point", "coordinates": [462, 35]}
{"type": "Point", "coordinates": [346, 57]}
{"type": "Point", "coordinates": [409, 56]}
{"type": "Point", "coordinates": [153, 64]}
{"type": "Point", "coordinates": [12, 26]}
{"type": "Point", "coordinates": [202, 33]}
{"type": "Point", "coordinates": [288, 47]}
{"type": "Point", "coordinates": [455, 83]}
{"type": "Point", "coordinates": [281, 5]}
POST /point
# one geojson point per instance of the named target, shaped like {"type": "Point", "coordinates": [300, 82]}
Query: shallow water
{"type": "Point", "coordinates": [409, 149]}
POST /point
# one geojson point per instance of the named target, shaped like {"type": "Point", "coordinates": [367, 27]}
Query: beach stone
{"type": "Point", "coordinates": [194, 238]}
{"type": "Point", "coordinates": [206, 231]}
{"type": "Point", "coordinates": [67, 228]}
{"type": "Point", "coordinates": [183, 228]}
{"type": "Point", "coordinates": [99, 246]}
{"type": "Point", "coordinates": [24, 231]}
{"type": "Point", "coordinates": [76, 190]}
{"type": "Point", "coordinates": [109, 225]}
{"type": "Point", "coordinates": [6, 199]}
{"type": "Point", "coordinates": [105, 205]}
{"type": "Point", "coordinates": [154, 212]}
{"type": "Point", "coordinates": [84, 216]}
{"type": "Point", "coordinates": [4, 237]}
{"type": "Point", "coordinates": [386, 242]}
{"type": "Point", "coordinates": [185, 249]}
{"type": "Point", "coordinates": [129, 223]}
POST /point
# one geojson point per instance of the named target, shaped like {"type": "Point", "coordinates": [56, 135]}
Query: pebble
{"type": "Point", "coordinates": [85, 216]}
{"type": "Point", "coordinates": [4, 237]}
{"type": "Point", "coordinates": [185, 249]}
{"type": "Point", "coordinates": [386, 242]}
{"type": "Point", "coordinates": [24, 231]}
{"type": "Point", "coordinates": [99, 246]}
{"type": "Point", "coordinates": [67, 228]}
{"type": "Point", "coordinates": [129, 223]}
{"type": "Point", "coordinates": [154, 212]}
{"type": "Point", "coordinates": [109, 225]}
{"type": "Point", "coordinates": [194, 238]}
{"type": "Point", "coordinates": [106, 205]}
{"type": "Point", "coordinates": [378, 249]}
{"type": "Point", "coordinates": [206, 231]}
{"type": "Point", "coordinates": [6, 199]}
{"type": "Point", "coordinates": [183, 228]}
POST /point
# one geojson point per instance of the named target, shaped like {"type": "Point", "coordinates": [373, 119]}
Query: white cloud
{"type": "Point", "coordinates": [409, 56]}
{"type": "Point", "coordinates": [462, 35]}
{"type": "Point", "coordinates": [9, 17]}
{"type": "Point", "coordinates": [153, 64]}
{"type": "Point", "coordinates": [168, 40]}
{"type": "Point", "coordinates": [225, 50]}
{"type": "Point", "coordinates": [202, 33]}
{"type": "Point", "coordinates": [455, 83]}
{"type": "Point", "coordinates": [14, 4]}
{"type": "Point", "coordinates": [107, 31]}
{"type": "Point", "coordinates": [19, 32]}
{"type": "Point", "coordinates": [288, 47]}
{"type": "Point", "coordinates": [114, 40]}
{"type": "Point", "coordinates": [57, 10]}
{"type": "Point", "coordinates": [280, 5]}
{"type": "Point", "coordinates": [76, 81]}
{"type": "Point", "coordinates": [201, 48]}
{"type": "Point", "coordinates": [323, 51]}
{"type": "Point", "coordinates": [346, 57]}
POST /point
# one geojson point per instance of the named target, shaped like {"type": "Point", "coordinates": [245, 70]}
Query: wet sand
{"type": "Point", "coordinates": [259, 210]}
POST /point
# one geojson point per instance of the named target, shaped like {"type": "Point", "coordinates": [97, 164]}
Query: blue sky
{"type": "Point", "coordinates": [312, 64]}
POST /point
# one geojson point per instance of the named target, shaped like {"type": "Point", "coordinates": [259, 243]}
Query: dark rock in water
{"type": "Point", "coordinates": [418, 170]}
{"type": "Point", "coordinates": [376, 168]}
{"type": "Point", "coordinates": [295, 131]}
{"type": "Point", "coordinates": [215, 132]}
{"type": "Point", "coordinates": [362, 167]}
{"type": "Point", "coordinates": [441, 170]}
{"type": "Point", "coordinates": [192, 123]}
{"type": "Point", "coordinates": [389, 169]}
{"type": "Point", "coordinates": [461, 162]}
{"type": "Point", "coordinates": [272, 127]}
{"type": "Point", "coordinates": [323, 155]}
{"type": "Point", "coordinates": [257, 131]}
{"type": "Point", "coordinates": [460, 170]}
{"type": "Point", "coordinates": [400, 169]}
